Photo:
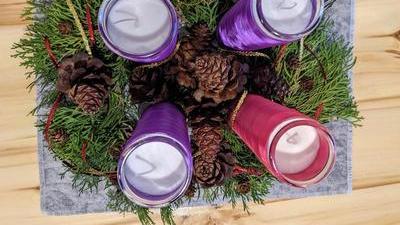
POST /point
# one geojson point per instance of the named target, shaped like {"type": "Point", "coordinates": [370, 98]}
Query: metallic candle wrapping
{"type": "Point", "coordinates": [260, 123]}
{"type": "Point", "coordinates": [158, 28]}
{"type": "Point", "coordinates": [162, 124]}
{"type": "Point", "coordinates": [244, 27]}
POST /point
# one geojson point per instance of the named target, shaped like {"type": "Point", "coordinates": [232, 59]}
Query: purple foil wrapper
{"type": "Point", "coordinates": [245, 29]}
{"type": "Point", "coordinates": [157, 55]}
{"type": "Point", "coordinates": [162, 122]}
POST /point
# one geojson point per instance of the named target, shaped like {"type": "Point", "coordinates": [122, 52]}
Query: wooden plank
{"type": "Point", "coordinates": [377, 70]}
{"type": "Point", "coordinates": [376, 148]}
{"type": "Point", "coordinates": [379, 104]}
{"type": "Point", "coordinates": [378, 205]}
{"type": "Point", "coordinates": [11, 11]}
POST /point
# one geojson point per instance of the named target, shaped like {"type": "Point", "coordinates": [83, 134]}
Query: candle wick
{"type": "Point", "coordinates": [126, 20]}
{"type": "Point", "coordinates": [292, 139]}
{"type": "Point", "coordinates": [147, 162]}
{"type": "Point", "coordinates": [283, 5]}
{"type": "Point", "coordinates": [131, 14]}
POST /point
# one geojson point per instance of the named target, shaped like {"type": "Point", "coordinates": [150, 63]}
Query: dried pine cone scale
{"type": "Point", "coordinates": [65, 27]}
{"type": "Point", "coordinates": [207, 173]}
{"type": "Point", "coordinates": [243, 187]}
{"type": "Point", "coordinates": [90, 98]}
{"type": "Point", "coordinates": [151, 85]}
{"type": "Point", "coordinates": [208, 137]}
{"type": "Point", "coordinates": [58, 136]}
{"type": "Point", "coordinates": [191, 47]}
{"type": "Point", "coordinates": [268, 84]}
{"type": "Point", "coordinates": [220, 77]}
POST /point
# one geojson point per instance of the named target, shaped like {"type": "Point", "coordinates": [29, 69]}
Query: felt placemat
{"type": "Point", "coordinates": [59, 198]}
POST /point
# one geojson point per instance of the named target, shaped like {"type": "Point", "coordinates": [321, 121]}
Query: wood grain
{"type": "Point", "coordinates": [376, 151]}
{"type": "Point", "coordinates": [377, 71]}
{"type": "Point", "coordinates": [11, 11]}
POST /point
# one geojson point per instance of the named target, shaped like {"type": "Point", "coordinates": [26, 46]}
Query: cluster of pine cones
{"type": "Point", "coordinates": [201, 78]}
{"type": "Point", "coordinates": [213, 163]}
{"type": "Point", "coordinates": [205, 82]}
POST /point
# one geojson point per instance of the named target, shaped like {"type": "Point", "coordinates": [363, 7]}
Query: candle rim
{"type": "Point", "coordinates": [266, 27]}
{"type": "Point", "coordinates": [145, 199]}
{"type": "Point", "coordinates": [149, 57]}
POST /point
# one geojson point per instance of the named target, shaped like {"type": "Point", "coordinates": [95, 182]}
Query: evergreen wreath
{"type": "Point", "coordinates": [92, 113]}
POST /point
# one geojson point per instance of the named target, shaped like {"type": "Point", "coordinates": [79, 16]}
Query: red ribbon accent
{"type": "Point", "coordinates": [90, 25]}
{"type": "Point", "coordinates": [319, 110]}
{"type": "Point", "coordinates": [321, 66]}
{"type": "Point", "coordinates": [83, 151]}
{"type": "Point", "coordinates": [53, 58]}
{"type": "Point", "coordinates": [50, 118]}
{"type": "Point", "coordinates": [238, 170]}
{"type": "Point", "coordinates": [280, 54]}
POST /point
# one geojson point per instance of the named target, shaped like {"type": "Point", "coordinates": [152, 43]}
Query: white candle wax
{"type": "Point", "coordinates": [287, 16]}
{"type": "Point", "coordinates": [139, 27]}
{"type": "Point", "coordinates": [296, 149]}
{"type": "Point", "coordinates": [156, 168]}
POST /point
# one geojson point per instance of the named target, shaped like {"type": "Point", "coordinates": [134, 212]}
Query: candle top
{"type": "Point", "coordinates": [156, 168]}
{"type": "Point", "coordinates": [288, 16]}
{"type": "Point", "coordinates": [139, 27]}
{"type": "Point", "coordinates": [296, 149]}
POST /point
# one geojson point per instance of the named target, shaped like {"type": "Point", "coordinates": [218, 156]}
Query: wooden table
{"type": "Point", "coordinates": [376, 152]}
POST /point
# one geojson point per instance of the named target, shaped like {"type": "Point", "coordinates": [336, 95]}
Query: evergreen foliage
{"type": "Point", "coordinates": [108, 129]}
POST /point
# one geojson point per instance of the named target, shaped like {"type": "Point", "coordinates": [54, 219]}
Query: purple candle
{"type": "Point", "coordinates": [257, 24]}
{"type": "Point", "coordinates": [139, 30]}
{"type": "Point", "coordinates": [155, 167]}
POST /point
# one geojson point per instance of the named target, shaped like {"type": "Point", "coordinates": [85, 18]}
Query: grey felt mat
{"type": "Point", "coordinates": [58, 197]}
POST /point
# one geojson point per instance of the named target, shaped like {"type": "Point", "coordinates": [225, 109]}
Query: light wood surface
{"type": "Point", "coordinates": [376, 148]}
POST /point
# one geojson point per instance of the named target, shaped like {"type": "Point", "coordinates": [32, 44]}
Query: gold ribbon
{"type": "Point", "coordinates": [237, 108]}
{"type": "Point", "coordinates": [246, 53]}
{"type": "Point", "coordinates": [79, 26]}
{"type": "Point", "coordinates": [157, 64]}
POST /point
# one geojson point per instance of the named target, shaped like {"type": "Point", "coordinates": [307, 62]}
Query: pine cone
{"type": "Point", "coordinates": [151, 85]}
{"type": "Point", "coordinates": [208, 138]}
{"type": "Point", "coordinates": [65, 27]}
{"type": "Point", "coordinates": [294, 62]}
{"type": "Point", "coordinates": [268, 84]}
{"type": "Point", "coordinates": [90, 98]}
{"type": "Point", "coordinates": [211, 165]}
{"type": "Point", "coordinates": [228, 162]}
{"type": "Point", "coordinates": [113, 178]}
{"type": "Point", "coordinates": [219, 77]}
{"type": "Point", "coordinates": [58, 137]}
{"type": "Point", "coordinates": [185, 80]}
{"type": "Point", "coordinates": [143, 85]}
{"type": "Point", "coordinates": [243, 187]}
{"type": "Point", "coordinates": [211, 173]}
{"type": "Point", "coordinates": [201, 36]}
{"type": "Point", "coordinates": [86, 81]}
{"type": "Point", "coordinates": [207, 173]}
{"type": "Point", "coordinates": [307, 84]}
{"type": "Point", "coordinates": [191, 47]}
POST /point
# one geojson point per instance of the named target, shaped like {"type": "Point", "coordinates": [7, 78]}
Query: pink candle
{"type": "Point", "coordinates": [297, 149]}
{"type": "Point", "coordinates": [293, 147]}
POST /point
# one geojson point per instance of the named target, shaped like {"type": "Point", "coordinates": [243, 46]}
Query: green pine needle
{"type": "Point", "coordinates": [167, 215]}
{"type": "Point", "coordinates": [120, 203]}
